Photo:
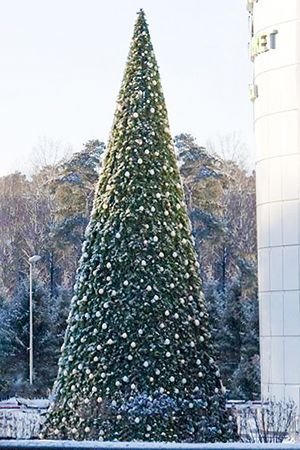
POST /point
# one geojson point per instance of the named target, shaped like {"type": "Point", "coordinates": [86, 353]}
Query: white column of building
{"type": "Point", "coordinates": [277, 134]}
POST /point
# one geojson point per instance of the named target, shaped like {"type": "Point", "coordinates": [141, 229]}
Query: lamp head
{"type": "Point", "coordinates": [34, 258]}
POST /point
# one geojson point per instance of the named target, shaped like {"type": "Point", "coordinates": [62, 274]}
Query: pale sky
{"type": "Point", "coordinates": [62, 63]}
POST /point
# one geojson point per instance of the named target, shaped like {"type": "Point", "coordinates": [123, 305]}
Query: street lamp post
{"type": "Point", "coordinates": [33, 259]}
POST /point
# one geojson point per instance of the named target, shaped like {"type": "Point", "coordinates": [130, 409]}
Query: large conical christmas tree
{"type": "Point", "coordinates": [137, 362]}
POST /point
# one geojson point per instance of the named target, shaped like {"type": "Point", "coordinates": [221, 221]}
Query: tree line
{"type": "Point", "coordinates": [47, 214]}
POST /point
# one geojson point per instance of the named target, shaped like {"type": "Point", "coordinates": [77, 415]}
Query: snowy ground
{"type": "Point", "coordinates": [53, 445]}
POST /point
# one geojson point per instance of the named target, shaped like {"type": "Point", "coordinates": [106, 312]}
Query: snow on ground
{"type": "Point", "coordinates": [52, 445]}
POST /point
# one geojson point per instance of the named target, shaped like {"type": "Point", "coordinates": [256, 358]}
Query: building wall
{"type": "Point", "coordinates": [277, 135]}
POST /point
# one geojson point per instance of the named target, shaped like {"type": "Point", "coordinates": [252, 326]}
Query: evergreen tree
{"type": "Point", "coordinates": [138, 362]}
{"type": "Point", "coordinates": [14, 339]}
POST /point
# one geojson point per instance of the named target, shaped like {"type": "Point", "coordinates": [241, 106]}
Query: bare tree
{"type": "Point", "coordinates": [231, 147]}
{"type": "Point", "coordinates": [266, 423]}
{"type": "Point", "coordinates": [48, 152]}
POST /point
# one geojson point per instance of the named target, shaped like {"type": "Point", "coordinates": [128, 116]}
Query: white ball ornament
{"type": "Point", "coordinates": [167, 341]}
{"type": "Point", "coordinates": [127, 174]}
{"type": "Point", "coordinates": [167, 313]}
{"type": "Point", "coordinates": [137, 420]}
{"type": "Point", "coordinates": [201, 338]}
{"type": "Point", "coordinates": [125, 283]}
{"type": "Point", "coordinates": [143, 263]}
{"type": "Point", "coordinates": [176, 336]}
{"type": "Point", "coordinates": [152, 209]}
{"type": "Point", "coordinates": [135, 115]}
{"type": "Point", "coordinates": [141, 208]}
{"type": "Point", "coordinates": [172, 379]}
{"type": "Point", "coordinates": [118, 235]}
{"type": "Point", "coordinates": [140, 161]}
{"type": "Point", "coordinates": [157, 372]}
{"type": "Point", "coordinates": [99, 399]}
{"type": "Point", "coordinates": [149, 288]}
{"type": "Point", "coordinates": [101, 290]}
{"type": "Point", "coordinates": [124, 335]}
{"type": "Point", "coordinates": [104, 326]}
{"type": "Point", "coordinates": [158, 195]}
{"type": "Point", "coordinates": [183, 380]}
{"type": "Point", "coordinates": [155, 239]}
{"type": "Point", "coordinates": [125, 379]}
{"type": "Point", "coordinates": [168, 354]}
{"type": "Point", "coordinates": [197, 322]}
{"type": "Point", "coordinates": [98, 314]}
{"type": "Point", "coordinates": [151, 171]}
{"type": "Point", "coordinates": [146, 364]}
{"type": "Point", "coordinates": [172, 285]}
{"type": "Point", "coordinates": [130, 357]}
{"type": "Point", "coordinates": [140, 332]}
{"type": "Point", "coordinates": [94, 389]}
{"type": "Point", "coordinates": [173, 233]}
{"type": "Point", "coordinates": [119, 417]}
{"type": "Point", "coordinates": [105, 305]}
{"type": "Point", "coordinates": [152, 110]}
{"type": "Point", "coordinates": [161, 254]}
{"type": "Point", "coordinates": [133, 345]}
{"type": "Point", "coordinates": [110, 342]}
{"type": "Point", "coordinates": [108, 265]}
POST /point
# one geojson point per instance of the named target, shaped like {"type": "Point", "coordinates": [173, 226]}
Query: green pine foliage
{"type": "Point", "coordinates": [138, 361]}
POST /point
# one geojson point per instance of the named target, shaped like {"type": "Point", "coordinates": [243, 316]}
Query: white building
{"type": "Point", "coordinates": [275, 51]}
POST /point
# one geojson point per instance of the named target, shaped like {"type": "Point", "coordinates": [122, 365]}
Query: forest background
{"type": "Point", "coordinates": [46, 213]}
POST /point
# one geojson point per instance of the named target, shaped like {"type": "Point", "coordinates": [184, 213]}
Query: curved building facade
{"type": "Point", "coordinates": [275, 51]}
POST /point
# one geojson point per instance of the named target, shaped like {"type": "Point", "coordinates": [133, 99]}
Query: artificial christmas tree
{"type": "Point", "coordinates": [137, 361]}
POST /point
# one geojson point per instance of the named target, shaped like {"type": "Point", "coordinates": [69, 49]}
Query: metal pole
{"type": "Point", "coordinates": [30, 326]}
